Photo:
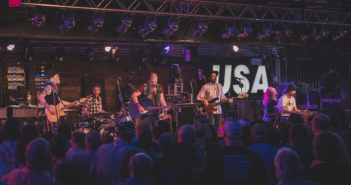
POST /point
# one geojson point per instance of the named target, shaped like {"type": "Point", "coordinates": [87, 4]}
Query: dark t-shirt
{"type": "Point", "coordinates": [306, 155]}
{"type": "Point", "coordinates": [170, 169]}
{"type": "Point", "coordinates": [269, 109]}
{"type": "Point", "coordinates": [234, 165]}
{"type": "Point", "coordinates": [187, 152]}
{"type": "Point", "coordinates": [329, 173]}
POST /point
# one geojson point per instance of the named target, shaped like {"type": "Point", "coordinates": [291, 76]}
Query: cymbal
{"type": "Point", "coordinates": [70, 110]}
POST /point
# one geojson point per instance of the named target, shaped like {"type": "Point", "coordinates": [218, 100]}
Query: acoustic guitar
{"type": "Point", "coordinates": [204, 110]}
{"type": "Point", "coordinates": [147, 105]}
{"type": "Point", "coordinates": [60, 110]}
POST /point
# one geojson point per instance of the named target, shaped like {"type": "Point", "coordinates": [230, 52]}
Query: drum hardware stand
{"type": "Point", "coordinates": [120, 97]}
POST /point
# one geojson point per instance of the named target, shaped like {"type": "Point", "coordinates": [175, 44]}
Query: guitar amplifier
{"type": "Point", "coordinates": [3, 113]}
{"type": "Point", "coordinates": [15, 111]}
{"type": "Point", "coordinates": [185, 114]}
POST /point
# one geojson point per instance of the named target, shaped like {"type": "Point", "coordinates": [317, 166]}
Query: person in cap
{"type": "Point", "coordinates": [49, 95]}
{"type": "Point", "coordinates": [107, 160]}
{"type": "Point", "coordinates": [287, 103]}
{"type": "Point", "coordinates": [234, 164]}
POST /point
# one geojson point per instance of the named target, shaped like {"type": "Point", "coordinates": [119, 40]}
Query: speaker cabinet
{"type": "Point", "coordinates": [185, 114]}
{"type": "Point", "coordinates": [22, 112]}
{"type": "Point", "coordinates": [167, 118]}
{"type": "Point", "coordinates": [3, 113]}
{"type": "Point", "coordinates": [246, 109]}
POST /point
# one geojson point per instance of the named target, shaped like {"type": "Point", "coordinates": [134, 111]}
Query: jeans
{"type": "Point", "coordinates": [217, 118]}
{"type": "Point", "coordinates": [54, 126]}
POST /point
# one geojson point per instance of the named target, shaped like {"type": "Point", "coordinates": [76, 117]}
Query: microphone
{"type": "Point", "coordinates": [118, 78]}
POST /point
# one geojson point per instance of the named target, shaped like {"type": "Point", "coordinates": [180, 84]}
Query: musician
{"type": "Point", "coordinates": [268, 103]}
{"type": "Point", "coordinates": [208, 92]}
{"type": "Point", "coordinates": [150, 91]}
{"type": "Point", "coordinates": [92, 104]}
{"type": "Point", "coordinates": [287, 103]}
{"type": "Point", "coordinates": [49, 96]}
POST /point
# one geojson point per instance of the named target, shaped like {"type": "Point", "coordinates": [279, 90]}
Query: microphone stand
{"type": "Point", "coordinates": [121, 99]}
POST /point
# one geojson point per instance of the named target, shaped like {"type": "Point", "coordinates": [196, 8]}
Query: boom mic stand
{"type": "Point", "coordinates": [120, 97]}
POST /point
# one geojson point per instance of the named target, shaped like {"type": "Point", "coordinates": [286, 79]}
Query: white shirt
{"type": "Point", "coordinates": [287, 103]}
{"type": "Point", "coordinates": [210, 91]}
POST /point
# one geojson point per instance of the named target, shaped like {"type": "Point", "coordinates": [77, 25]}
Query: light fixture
{"type": "Point", "coordinates": [116, 53]}
{"type": "Point", "coordinates": [341, 35]}
{"type": "Point", "coordinates": [10, 47]}
{"type": "Point", "coordinates": [126, 22]}
{"type": "Point", "coordinates": [60, 54]}
{"type": "Point", "coordinates": [67, 23]}
{"type": "Point", "coordinates": [162, 56]}
{"type": "Point", "coordinates": [29, 53]}
{"type": "Point", "coordinates": [202, 27]}
{"type": "Point", "coordinates": [172, 26]}
{"type": "Point", "coordinates": [96, 23]}
{"type": "Point", "coordinates": [90, 54]}
{"type": "Point", "coordinates": [247, 31]}
{"type": "Point", "coordinates": [166, 49]}
{"type": "Point", "coordinates": [324, 34]}
{"type": "Point", "coordinates": [229, 32]}
{"type": "Point", "coordinates": [286, 33]}
{"type": "Point", "coordinates": [267, 33]}
{"type": "Point", "coordinates": [108, 48]}
{"type": "Point", "coordinates": [150, 26]}
{"type": "Point", "coordinates": [235, 48]}
{"type": "Point", "coordinates": [309, 33]}
{"type": "Point", "coordinates": [38, 19]}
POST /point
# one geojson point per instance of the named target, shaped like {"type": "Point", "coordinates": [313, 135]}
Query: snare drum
{"type": "Point", "coordinates": [123, 118]}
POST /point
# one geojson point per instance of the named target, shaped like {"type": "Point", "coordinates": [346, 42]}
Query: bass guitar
{"type": "Point", "coordinates": [60, 110]}
{"type": "Point", "coordinates": [147, 105]}
{"type": "Point", "coordinates": [204, 110]}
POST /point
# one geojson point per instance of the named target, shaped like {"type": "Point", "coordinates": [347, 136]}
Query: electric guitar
{"type": "Point", "coordinates": [60, 108]}
{"type": "Point", "coordinates": [204, 110]}
{"type": "Point", "coordinates": [147, 105]}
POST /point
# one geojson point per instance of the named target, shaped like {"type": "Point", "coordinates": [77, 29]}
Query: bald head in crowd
{"type": "Point", "coordinates": [38, 154]}
{"type": "Point", "coordinates": [140, 166]}
{"type": "Point", "coordinates": [320, 122]}
{"type": "Point", "coordinates": [186, 134]}
{"type": "Point", "coordinates": [93, 140]}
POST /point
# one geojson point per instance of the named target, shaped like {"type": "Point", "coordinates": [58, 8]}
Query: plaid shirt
{"type": "Point", "coordinates": [92, 105]}
{"type": "Point", "coordinates": [7, 154]}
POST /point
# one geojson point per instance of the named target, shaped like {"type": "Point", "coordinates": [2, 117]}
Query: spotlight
{"type": "Point", "coordinates": [247, 31]}
{"type": "Point", "coordinates": [309, 33]}
{"type": "Point", "coordinates": [150, 26]}
{"type": "Point", "coordinates": [267, 33]}
{"type": "Point", "coordinates": [324, 34]}
{"type": "Point", "coordinates": [10, 47]}
{"type": "Point", "coordinates": [29, 53]}
{"type": "Point", "coordinates": [202, 27]}
{"type": "Point", "coordinates": [60, 54]}
{"type": "Point", "coordinates": [116, 53]}
{"type": "Point", "coordinates": [229, 32]}
{"type": "Point", "coordinates": [162, 57]}
{"type": "Point", "coordinates": [67, 23]}
{"type": "Point", "coordinates": [126, 22]}
{"type": "Point", "coordinates": [90, 54]}
{"type": "Point", "coordinates": [172, 26]}
{"type": "Point", "coordinates": [166, 49]}
{"type": "Point", "coordinates": [38, 20]}
{"type": "Point", "coordinates": [108, 48]}
{"type": "Point", "coordinates": [96, 24]}
{"type": "Point", "coordinates": [286, 33]}
{"type": "Point", "coordinates": [235, 48]}
{"type": "Point", "coordinates": [342, 34]}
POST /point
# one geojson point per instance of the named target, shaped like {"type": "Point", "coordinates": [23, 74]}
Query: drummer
{"type": "Point", "coordinates": [93, 105]}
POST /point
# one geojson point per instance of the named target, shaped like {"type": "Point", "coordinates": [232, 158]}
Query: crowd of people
{"type": "Point", "coordinates": [296, 151]}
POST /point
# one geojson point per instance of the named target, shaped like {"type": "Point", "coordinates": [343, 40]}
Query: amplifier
{"type": "Point", "coordinates": [301, 100]}
{"type": "Point", "coordinates": [329, 93]}
{"type": "Point", "coordinates": [15, 69]}
{"type": "Point", "coordinates": [185, 114]}
{"type": "Point", "coordinates": [15, 77]}
{"type": "Point", "coordinates": [167, 118]}
{"type": "Point", "coordinates": [329, 104]}
{"type": "Point", "coordinates": [15, 111]}
{"type": "Point", "coordinates": [246, 109]}
{"type": "Point", "coordinates": [3, 113]}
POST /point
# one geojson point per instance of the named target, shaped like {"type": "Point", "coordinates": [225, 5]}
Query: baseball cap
{"type": "Point", "coordinates": [127, 127]}
{"type": "Point", "coordinates": [233, 129]}
{"type": "Point", "coordinates": [258, 131]}
{"type": "Point", "coordinates": [291, 87]}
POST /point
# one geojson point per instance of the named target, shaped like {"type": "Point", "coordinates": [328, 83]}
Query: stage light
{"type": "Point", "coordinates": [108, 48]}
{"type": "Point", "coordinates": [10, 47]}
{"type": "Point", "coordinates": [235, 48]}
{"type": "Point", "coordinates": [229, 32]}
{"type": "Point", "coordinates": [324, 34]}
{"type": "Point", "coordinates": [29, 53]}
{"type": "Point", "coordinates": [162, 57]}
{"type": "Point", "coordinates": [202, 27]}
{"type": "Point", "coordinates": [166, 49]}
{"type": "Point", "coordinates": [60, 54]}
{"type": "Point", "coordinates": [267, 33]}
{"type": "Point", "coordinates": [247, 31]}
{"type": "Point", "coordinates": [126, 22]}
{"type": "Point", "coordinates": [67, 23]}
{"type": "Point", "coordinates": [172, 26]}
{"type": "Point", "coordinates": [309, 33]}
{"type": "Point", "coordinates": [150, 26]}
{"type": "Point", "coordinates": [90, 54]}
{"type": "Point", "coordinates": [116, 53]}
{"type": "Point", "coordinates": [38, 20]}
{"type": "Point", "coordinates": [286, 33]}
{"type": "Point", "coordinates": [341, 35]}
{"type": "Point", "coordinates": [96, 24]}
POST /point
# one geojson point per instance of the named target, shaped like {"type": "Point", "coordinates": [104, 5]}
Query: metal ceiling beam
{"type": "Point", "coordinates": [259, 13]}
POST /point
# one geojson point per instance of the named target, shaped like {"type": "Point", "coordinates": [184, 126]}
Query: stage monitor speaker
{"type": "Point", "coordinates": [246, 109]}
{"type": "Point", "coordinates": [3, 113]}
{"type": "Point", "coordinates": [329, 104]}
{"type": "Point", "coordinates": [301, 100]}
{"type": "Point", "coordinates": [185, 114]}
{"type": "Point", "coordinates": [167, 118]}
{"type": "Point", "coordinates": [22, 112]}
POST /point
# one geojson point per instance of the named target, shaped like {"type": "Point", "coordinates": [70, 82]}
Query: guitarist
{"type": "Point", "coordinates": [49, 96]}
{"type": "Point", "coordinates": [150, 91]}
{"type": "Point", "coordinates": [208, 92]}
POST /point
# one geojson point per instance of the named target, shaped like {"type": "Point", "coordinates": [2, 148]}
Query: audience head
{"type": "Point", "coordinates": [320, 122]}
{"type": "Point", "coordinates": [307, 121]}
{"type": "Point", "coordinates": [232, 131]}
{"type": "Point", "coordinates": [323, 111]}
{"type": "Point", "coordinates": [157, 132]}
{"type": "Point", "coordinates": [47, 136]}
{"type": "Point", "coordinates": [288, 165]}
{"type": "Point", "coordinates": [38, 154]}
{"type": "Point", "coordinates": [65, 129]}
{"type": "Point", "coordinates": [143, 127]}
{"type": "Point", "coordinates": [273, 137]}
{"type": "Point", "coordinates": [258, 134]}
{"type": "Point", "coordinates": [58, 146]}
{"type": "Point", "coordinates": [78, 139]}
{"type": "Point", "coordinates": [106, 139]}
{"type": "Point", "coordinates": [123, 170]}
{"type": "Point", "coordinates": [326, 147]}
{"type": "Point", "coordinates": [93, 140]}
{"type": "Point", "coordinates": [297, 135]}
{"type": "Point", "coordinates": [12, 129]}
{"type": "Point", "coordinates": [166, 143]}
{"type": "Point", "coordinates": [283, 129]}
{"type": "Point", "coordinates": [229, 119]}
{"type": "Point", "coordinates": [295, 118]}
{"type": "Point", "coordinates": [343, 116]}
{"type": "Point", "coordinates": [21, 149]}
{"type": "Point", "coordinates": [186, 134]}
{"type": "Point", "coordinates": [203, 133]}
{"type": "Point", "coordinates": [29, 131]}
{"type": "Point", "coordinates": [346, 136]}
{"type": "Point", "coordinates": [334, 119]}
{"type": "Point", "coordinates": [214, 134]}
{"type": "Point", "coordinates": [145, 140]}
{"type": "Point", "coordinates": [67, 173]}
{"type": "Point", "coordinates": [126, 131]}
{"type": "Point", "coordinates": [165, 126]}
{"type": "Point", "coordinates": [140, 166]}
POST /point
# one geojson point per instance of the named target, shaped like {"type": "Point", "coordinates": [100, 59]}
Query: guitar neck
{"type": "Point", "coordinates": [222, 102]}
{"type": "Point", "coordinates": [156, 107]}
{"type": "Point", "coordinates": [67, 106]}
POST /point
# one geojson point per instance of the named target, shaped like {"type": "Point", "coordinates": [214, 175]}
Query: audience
{"type": "Point", "coordinates": [58, 150]}
{"type": "Point", "coordinates": [145, 143]}
{"type": "Point", "coordinates": [65, 130]}
{"type": "Point", "coordinates": [29, 131]}
{"type": "Point", "coordinates": [106, 139]}
{"type": "Point", "coordinates": [123, 170]}
{"type": "Point", "coordinates": [288, 168]}
{"type": "Point", "coordinates": [320, 122]}
{"type": "Point", "coordinates": [7, 148]}
{"type": "Point", "coordinates": [140, 167]}
{"type": "Point", "coordinates": [343, 121]}
{"type": "Point", "coordinates": [38, 156]}
{"type": "Point", "coordinates": [47, 136]}
{"type": "Point", "coordinates": [20, 151]}
{"type": "Point", "coordinates": [78, 144]}
{"type": "Point", "coordinates": [334, 122]}
{"type": "Point", "coordinates": [165, 126]}
{"type": "Point", "coordinates": [346, 136]}
{"type": "Point", "coordinates": [295, 118]}
{"type": "Point", "coordinates": [156, 133]}
{"type": "Point", "coordinates": [67, 173]}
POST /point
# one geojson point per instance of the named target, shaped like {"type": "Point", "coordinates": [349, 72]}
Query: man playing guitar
{"type": "Point", "coordinates": [213, 90]}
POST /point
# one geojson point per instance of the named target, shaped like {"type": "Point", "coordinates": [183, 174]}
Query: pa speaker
{"type": "Point", "coordinates": [185, 114]}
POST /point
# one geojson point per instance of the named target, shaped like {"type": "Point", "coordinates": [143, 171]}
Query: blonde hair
{"type": "Point", "coordinates": [270, 94]}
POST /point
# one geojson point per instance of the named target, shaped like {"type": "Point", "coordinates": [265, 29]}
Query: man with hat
{"type": "Point", "coordinates": [287, 103]}
{"type": "Point", "coordinates": [107, 160]}
{"type": "Point", "coordinates": [49, 96]}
